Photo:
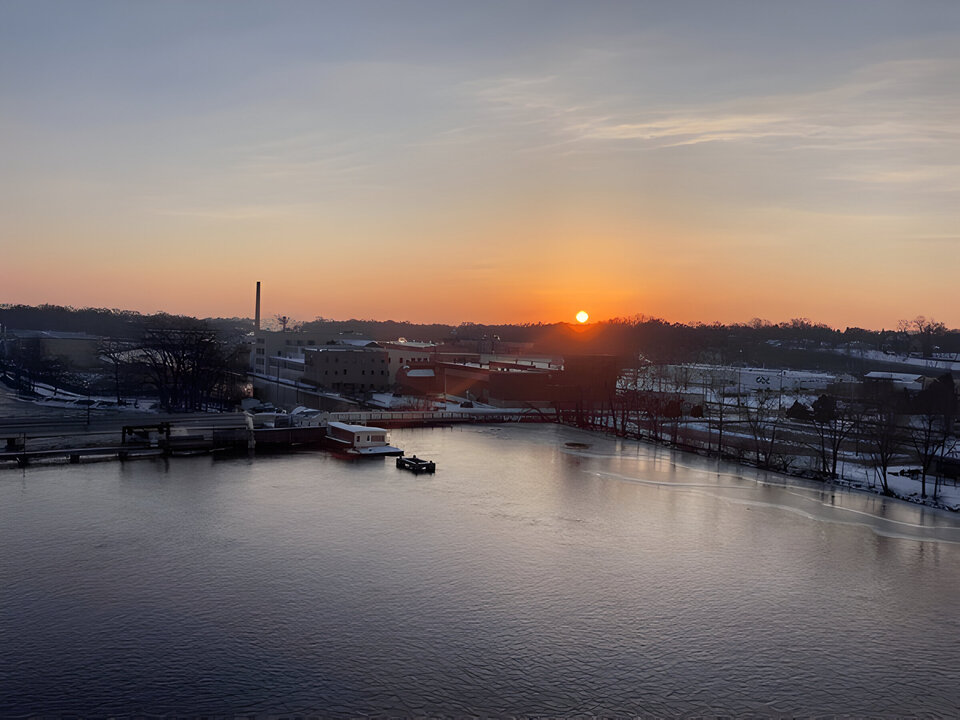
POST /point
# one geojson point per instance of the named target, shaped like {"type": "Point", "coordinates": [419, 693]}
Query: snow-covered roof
{"type": "Point", "coordinates": [357, 343]}
{"type": "Point", "coordinates": [412, 344]}
{"type": "Point", "coordinates": [302, 410]}
{"type": "Point", "coordinates": [346, 427]}
{"type": "Point", "coordinates": [896, 377]}
{"type": "Point", "coordinates": [51, 335]}
{"type": "Point", "coordinates": [342, 348]}
{"type": "Point", "coordinates": [421, 372]}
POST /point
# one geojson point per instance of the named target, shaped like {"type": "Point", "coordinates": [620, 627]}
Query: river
{"type": "Point", "coordinates": [525, 577]}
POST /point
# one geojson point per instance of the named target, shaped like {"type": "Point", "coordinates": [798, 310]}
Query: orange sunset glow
{"type": "Point", "coordinates": [433, 179]}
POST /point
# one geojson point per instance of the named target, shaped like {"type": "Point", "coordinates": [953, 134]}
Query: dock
{"type": "Point", "coordinates": [23, 441]}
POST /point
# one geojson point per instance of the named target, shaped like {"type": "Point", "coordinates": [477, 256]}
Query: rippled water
{"type": "Point", "coordinates": [524, 578]}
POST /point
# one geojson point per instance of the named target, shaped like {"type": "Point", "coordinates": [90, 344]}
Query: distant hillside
{"type": "Point", "coordinates": [95, 321]}
{"type": "Point", "coordinates": [796, 344]}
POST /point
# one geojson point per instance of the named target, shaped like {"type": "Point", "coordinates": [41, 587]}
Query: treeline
{"type": "Point", "coordinates": [102, 322]}
{"type": "Point", "coordinates": [758, 342]}
{"type": "Point", "coordinates": [188, 364]}
{"type": "Point", "coordinates": [93, 321]}
{"type": "Point", "coordinates": [871, 427]}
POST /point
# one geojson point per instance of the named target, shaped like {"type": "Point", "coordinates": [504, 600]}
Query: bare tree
{"type": "Point", "coordinates": [716, 389]}
{"type": "Point", "coordinates": [763, 421]}
{"type": "Point", "coordinates": [118, 354]}
{"type": "Point", "coordinates": [948, 448]}
{"type": "Point", "coordinates": [885, 441]}
{"type": "Point", "coordinates": [833, 424]}
{"type": "Point", "coordinates": [32, 365]}
{"type": "Point", "coordinates": [184, 359]}
{"type": "Point", "coordinates": [925, 331]}
{"type": "Point", "coordinates": [934, 408]}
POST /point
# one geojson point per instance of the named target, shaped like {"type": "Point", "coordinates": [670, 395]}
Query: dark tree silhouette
{"type": "Point", "coordinates": [185, 360]}
{"type": "Point", "coordinates": [884, 439]}
{"type": "Point", "coordinates": [833, 424]}
{"type": "Point", "coordinates": [934, 411]}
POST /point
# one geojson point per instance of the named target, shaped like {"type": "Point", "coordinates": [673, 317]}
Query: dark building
{"type": "Point", "coordinates": [346, 369]}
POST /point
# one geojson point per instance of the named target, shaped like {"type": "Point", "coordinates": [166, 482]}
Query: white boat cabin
{"type": "Point", "coordinates": [360, 439]}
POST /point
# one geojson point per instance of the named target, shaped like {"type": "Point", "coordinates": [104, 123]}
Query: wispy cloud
{"type": "Point", "coordinates": [686, 130]}
{"type": "Point", "coordinates": [945, 178]}
{"type": "Point", "coordinates": [886, 104]}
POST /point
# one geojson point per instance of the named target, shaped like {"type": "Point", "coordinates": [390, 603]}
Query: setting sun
{"type": "Point", "coordinates": [582, 316]}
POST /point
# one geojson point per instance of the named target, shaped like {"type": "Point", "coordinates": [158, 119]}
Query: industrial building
{"type": "Point", "coordinates": [346, 368]}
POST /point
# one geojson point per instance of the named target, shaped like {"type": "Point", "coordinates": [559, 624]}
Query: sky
{"type": "Point", "coordinates": [484, 162]}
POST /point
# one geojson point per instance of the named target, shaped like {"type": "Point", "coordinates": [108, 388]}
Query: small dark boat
{"type": "Point", "coordinates": [417, 465]}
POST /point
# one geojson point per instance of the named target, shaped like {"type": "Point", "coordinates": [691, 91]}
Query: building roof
{"type": "Point", "coordinates": [410, 344]}
{"type": "Point", "coordinates": [354, 428]}
{"type": "Point", "coordinates": [339, 348]}
{"type": "Point", "coordinates": [358, 343]}
{"type": "Point", "coordinates": [51, 335]}
{"type": "Point", "coordinates": [421, 372]}
{"type": "Point", "coordinates": [896, 377]}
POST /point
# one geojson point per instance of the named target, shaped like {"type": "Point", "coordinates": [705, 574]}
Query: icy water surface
{"type": "Point", "coordinates": [524, 578]}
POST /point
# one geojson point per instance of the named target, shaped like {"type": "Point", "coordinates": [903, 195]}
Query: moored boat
{"type": "Point", "coordinates": [416, 465]}
{"type": "Point", "coordinates": [359, 440]}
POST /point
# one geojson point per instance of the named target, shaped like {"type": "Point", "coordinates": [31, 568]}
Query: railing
{"type": "Point", "coordinates": [439, 416]}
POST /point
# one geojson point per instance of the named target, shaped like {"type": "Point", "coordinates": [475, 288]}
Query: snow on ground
{"type": "Point", "coordinates": [48, 396]}
{"type": "Point", "coordinates": [935, 365]}
{"type": "Point", "coordinates": [908, 487]}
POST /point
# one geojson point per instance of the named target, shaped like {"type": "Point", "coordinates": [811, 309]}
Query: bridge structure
{"type": "Point", "coordinates": [411, 418]}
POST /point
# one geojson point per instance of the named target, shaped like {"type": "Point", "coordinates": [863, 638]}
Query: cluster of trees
{"type": "Point", "coordinates": [27, 363]}
{"type": "Point", "coordinates": [875, 428]}
{"type": "Point", "coordinates": [94, 321]}
{"type": "Point", "coordinates": [101, 322]}
{"type": "Point", "coordinates": [188, 364]}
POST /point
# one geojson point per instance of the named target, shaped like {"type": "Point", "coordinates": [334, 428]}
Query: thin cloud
{"type": "Point", "coordinates": [882, 105]}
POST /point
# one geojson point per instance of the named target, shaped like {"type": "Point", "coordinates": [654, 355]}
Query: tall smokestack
{"type": "Point", "coordinates": [257, 318]}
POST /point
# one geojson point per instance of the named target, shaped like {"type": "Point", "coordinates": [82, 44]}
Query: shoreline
{"type": "Point", "coordinates": [840, 482]}
{"type": "Point", "coordinates": [109, 454]}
